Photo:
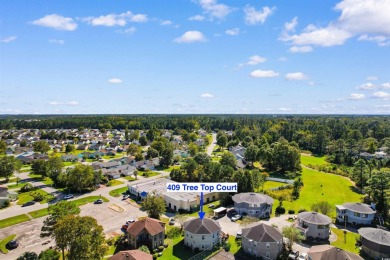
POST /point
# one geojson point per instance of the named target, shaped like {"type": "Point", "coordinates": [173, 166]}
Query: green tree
{"type": "Point", "coordinates": [69, 148]}
{"type": "Point", "coordinates": [41, 146]}
{"type": "Point", "coordinates": [379, 186]}
{"type": "Point", "coordinates": [202, 158]}
{"type": "Point", "coordinates": [293, 235]}
{"type": "Point", "coordinates": [57, 212]}
{"type": "Point", "coordinates": [55, 169]}
{"type": "Point", "coordinates": [193, 149]}
{"type": "Point", "coordinates": [143, 141]}
{"type": "Point", "coordinates": [80, 177]}
{"type": "Point", "coordinates": [152, 153]}
{"type": "Point", "coordinates": [154, 205]}
{"type": "Point", "coordinates": [133, 149]}
{"type": "Point", "coordinates": [40, 167]}
{"type": "Point", "coordinates": [167, 156]}
{"type": "Point", "coordinates": [134, 135]}
{"type": "Point", "coordinates": [3, 147]}
{"type": "Point", "coordinates": [222, 141]}
{"type": "Point", "coordinates": [323, 206]}
{"type": "Point", "coordinates": [81, 237]}
{"type": "Point", "coordinates": [251, 154]}
{"type": "Point", "coordinates": [228, 159]}
{"type": "Point", "coordinates": [359, 172]}
{"type": "Point", "coordinates": [28, 256]}
{"type": "Point", "coordinates": [9, 165]}
{"type": "Point", "coordinates": [49, 254]}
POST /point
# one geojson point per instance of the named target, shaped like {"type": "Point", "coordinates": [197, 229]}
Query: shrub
{"type": "Point", "coordinates": [155, 251]}
{"type": "Point", "coordinates": [155, 256]}
{"type": "Point", "coordinates": [174, 232]}
{"type": "Point", "coordinates": [165, 245]}
{"type": "Point", "coordinates": [227, 246]}
{"type": "Point", "coordinates": [110, 241]}
{"type": "Point", "coordinates": [280, 210]}
{"type": "Point", "coordinates": [146, 174]}
{"type": "Point", "coordinates": [302, 210]}
{"type": "Point", "coordinates": [6, 204]}
{"type": "Point", "coordinates": [27, 187]}
{"type": "Point", "coordinates": [291, 211]}
{"type": "Point", "coordinates": [37, 196]}
{"type": "Point", "coordinates": [161, 248]}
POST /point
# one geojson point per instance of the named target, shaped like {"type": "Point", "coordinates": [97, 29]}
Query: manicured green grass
{"type": "Point", "coordinates": [118, 192]}
{"type": "Point", "coordinates": [115, 182]}
{"type": "Point", "coordinates": [26, 196]}
{"type": "Point", "coordinates": [69, 163]}
{"type": "Point", "coordinates": [83, 201]}
{"type": "Point", "coordinates": [273, 184]}
{"type": "Point", "coordinates": [118, 155]}
{"type": "Point", "coordinates": [39, 213]}
{"type": "Point", "coordinates": [209, 211]}
{"type": "Point", "coordinates": [48, 181]}
{"type": "Point", "coordinates": [13, 220]}
{"type": "Point", "coordinates": [148, 174]}
{"type": "Point", "coordinates": [129, 178]}
{"type": "Point", "coordinates": [350, 241]}
{"type": "Point", "coordinates": [234, 247]}
{"type": "Point", "coordinates": [313, 160]}
{"type": "Point", "coordinates": [4, 242]}
{"type": "Point", "coordinates": [319, 186]}
{"type": "Point", "coordinates": [16, 186]}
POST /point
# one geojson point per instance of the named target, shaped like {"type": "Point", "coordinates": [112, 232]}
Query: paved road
{"type": "Point", "coordinates": [210, 148]}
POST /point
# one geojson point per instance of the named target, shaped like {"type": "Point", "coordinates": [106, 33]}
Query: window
{"type": "Point", "coordinates": [161, 235]}
{"type": "Point", "coordinates": [213, 235]}
{"type": "Point", "coordinates": [202, 237]}
{"type": "Point", "coordinates": [255, 205]}
{"type": "Point", "coordinates": [364, 215]}
{"type": "Point", "coordinates": [356, 214]}
{"type": "Point", "coordinates": [267, 245]}
{"type": "Point", "coordinates": [267, 254]}
{"type": "Point", "coordinates": [155, 238]}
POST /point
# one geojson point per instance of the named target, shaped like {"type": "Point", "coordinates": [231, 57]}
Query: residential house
{"type": "Point", "coordinates": [355, 213]}
{"type": "Point", "coordinates": [147, 231]}
{"type": "Point", "coordinates": [6, 195]}
{"type": "Point", "coordinates": [375, 242]}
{"type": "Point", "coordinates": [69, 158]}
{"type": "Point", "coordinates": [253, 204]}
{"type": "Point", "coordinates": [201, 234]}
{"type": "Point", "coordinates": [314, 225]}
{"type": "Point", "coordinates": [262, 240]}
{"type": "Point", "coordinates": [327, 252]}
{"type": "Point", "coordinates": [131, 255]}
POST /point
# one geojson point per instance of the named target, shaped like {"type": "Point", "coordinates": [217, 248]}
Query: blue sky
{"type": "Point", "coordinates": [195, 56]}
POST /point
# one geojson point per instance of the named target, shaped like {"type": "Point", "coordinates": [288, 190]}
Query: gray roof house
{"type": "Point", "coordinates": [314, 225]}
{"type": "Point", "coordinates": [201, 234]}
{"type": "Point", "coordinates": [355, 213]}
{"type": "Point", "coordinates": [375, 242]}
{"type": "Point", "coordinates": [263, 241]}
{"type": "Point", "coordinates": [326, 252]}
{"type": "Point", "coordinates": [253, 204]}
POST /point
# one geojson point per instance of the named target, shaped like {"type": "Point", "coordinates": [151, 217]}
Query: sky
{"type": "Point", "coordinates": [195, 57]}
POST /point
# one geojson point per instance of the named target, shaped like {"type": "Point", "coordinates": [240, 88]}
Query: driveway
{"type": "Point", "coordinates": [210, 148]}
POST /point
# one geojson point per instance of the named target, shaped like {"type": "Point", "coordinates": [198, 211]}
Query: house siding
{"type": "Point", "coordinates": [260, 249]}
{"type": "Point", "coordinates": [196, 241]}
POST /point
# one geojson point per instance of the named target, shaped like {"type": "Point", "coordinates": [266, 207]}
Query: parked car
{"type": "Point", "coordinates": [29, 203]}
{"type": "Point", "coordinates": [171, 221]}
{"type": "Point", "coordinates": [12, 244]}
{"type": "Point", "coordinates": [67, 196]}
{"type": "Point", "coordinates": [293, 255]}
{"type": "Point", "coordinates": [239, 234]}
{"type": "Point", "coordinates": [130, 221]}
{"type": "Point", "coordinates": [236, 217]}
{"type": "Point", "coordinates": [211, 206]}
{"type": "Point", "coordinates": [303, 256]}
{"type": "Point", "coordinates": [99, 201]}
{"type": "Point", "coordinates": [126, 196]}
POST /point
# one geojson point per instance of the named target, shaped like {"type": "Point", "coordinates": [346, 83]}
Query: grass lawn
{"type": "Point", "coordinates": [4, 242]}
{"type": "Point", "coordinates": [273, 184]}
{"type": "Point", "coordinates": [319, 186]}
{"type": "Point", "coordinates": [13, 220]}
{"type": "Point", "coordinates": [25, 197]}
{"type": "Point", "coordinates": [149, 174]}
{"type": "Point", "coordinates": [115, 182]}
{"type": "Point", "coordinates": [48, 181]}
{"type": "Point", "coordinates": [83, 201]}
{"type": "Point", "coordinates": [234, 247]}
{"type": "Point", "coordinates": [118, 155]}
{"type": "Point", "coordinates": [313, 160]}
{"type": "Point", "coordinates": [118, 192]}
{"type": "Point", "coordinates": [209, 211]}
{"type": "Point", "coordinates": [69, 163]}
{"type": "Point", "coordinates": [14, 186]}
{"type": "Point", "coordinates": [129, 178]}
{"type": "Point", "coordinates": [351, 241]}
{"type": "Point", "coordinates": [39, 213]}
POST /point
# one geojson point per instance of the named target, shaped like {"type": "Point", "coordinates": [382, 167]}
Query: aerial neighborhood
{"type": "Point", "coordinates": [301, 193]}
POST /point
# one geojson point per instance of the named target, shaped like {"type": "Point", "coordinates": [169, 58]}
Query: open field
{"type": "Point", "coordinates": [273, 184]}
{"type": "Point", "coordinates": [26, 196]}
{"type": "Point", "coordinates": [350, 241]}
{"type": "Point", "coordinates": [313, 160]}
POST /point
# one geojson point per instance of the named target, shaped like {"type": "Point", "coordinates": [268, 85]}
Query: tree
{"type": "Point", "coordinates": [3, 147]}
{"type": "Point", "coordinates": [55, 169]}
{"type": "Point", "coordinates": [379, 187]}
{"type": "Point", "coordinates": [293, 235]}
{"type": "Point", "coordinates": [40, 167]}
{"type": "Point", "coordinates": [41, 146]}
{"type": "Point", "coordinates": [8, 165]}
{"type": "Point", "coordinates": [222, 141]}
{"type": "Point", "coordinates": [251, 154]}
{"type": "Point", "coordinates": [166, 156]}
{"type": "Point", "coordinates": [152, 153]}
{"type": "Point", "coordinates": [80, 177]}
{"type": "Point", "coordinates": [323, 206]}
{"type": "Point", "coordinates": [283, 157]}
{"type": "Point", "coordinates": [143, 141]}
{"type": "Point", "coordinates": [49, 254]}
{"type": "Point", "coordinates": [181, 218]}
{"type": "Point", "coordinates": [134, 135]}
{"type": "Point", "coordinates": [57, 212]}
{"type": "Point", "coordinates": [133, 149]}
{"type": "Point", "coordinates": [28, 256]}
{"type": "Point", "coordinates": [228, 159]}
{"type": "Point", "coordinates": [360, 171]}
{"type": "Point", "coordinates": [202, 158]}
{"type": "Point", "coordinates": [144, 249]}
{"type": "Point", "coordinates": [193, 149]}
{"type": "Point", "coordinates": [69, 148]}
{"type": "Point", "coordinates": [154, 205]}
{"type": "Point", "coordinates": [81, 237]}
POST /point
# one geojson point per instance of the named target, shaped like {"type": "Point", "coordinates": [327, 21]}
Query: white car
{"type": "Point", "coordinates": [236, 217]}
{"type": "Point", "coordinates": [130, 221]}
{"type": "Point", "coordinates": [68, 196]}
{"type": "Point", "coordinates": [303, 256]}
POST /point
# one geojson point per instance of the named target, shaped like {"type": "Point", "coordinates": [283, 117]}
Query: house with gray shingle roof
{"type": "Point", "coordinates": [201, 233]}
{"type": "Point", "coordinates": [263, 241]}
{"type": "Point", "coordinates": [253, 204]}
{"type": "Point", "coordinates": [326, 252]}
{"type": "Point", "coordinates": [355, 213]}
{"type": "Point", "coordinates": [314, 225]}
{"type": "Point", "coordinates": [375, 242]}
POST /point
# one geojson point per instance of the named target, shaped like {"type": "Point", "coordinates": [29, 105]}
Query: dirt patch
{"type": "Point", "coordinates": [116, 208]}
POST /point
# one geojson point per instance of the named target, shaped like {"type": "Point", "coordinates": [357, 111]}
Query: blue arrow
{"type": "Point", "coordinates": [201, 213]}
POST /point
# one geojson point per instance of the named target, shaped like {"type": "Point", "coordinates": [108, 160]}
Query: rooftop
{"type": "Point", "coordinates": [201, 227]}
{"type": "Point", "coordinates": [314, 218]}
{"type": "Point", "coordinates": [376, 235]}
{"type": "Point", "coordinates": [251, 197]}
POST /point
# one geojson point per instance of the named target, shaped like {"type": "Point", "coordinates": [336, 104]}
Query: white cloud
{"type": "Point", "coordinates": [285, 109]}
{"type": "Point", "coordinates": [8, 39]}
{"type": "Point", "coordinates": [264, 74]}
{"type": "Point", "coordinates": [233, 32]}
{"type": "Point", "coordinates": [191, 36]}
{"type": "Point", "coordinates": [301, 49]}
{"type": "Point", "coordinates": [196, 18]}
{"type": "Point", "coordinates": [116, 19]}
{"type": "Point", "coordinates": [115, 81]}
{"type": "Point", "coordinates": [207, 95]}
{"type": "Point", "coordinates": [55, 103]}
{"type": "Point", "coordinates": [253, 17]}
{"type": "Point", "coordinates": [372, 78]}
{"type": "Point", "coordinates": [55, 41]}
{"type": "Point", "coordinates": [386, 85]}
{"type": "Point", "coordinates": [382, 95]}
{"type": "Point", "coordinates": [368, 18]}
{"type": "Point", "coordinates": [57, 22]}
{"type": "Point", "coordinates": [72, 103]}
{"type": "Point", "coordinates": [128, 31]}
{"type": "Point", "coordinates": [295, 76]}
{"type": "Point", "coordinates": [366, 86]}
{"type": "Point", "coordinates": [356, 96]}
{"type": "Point", "coordinates": [253, 60]}
{"type": "Point", "coordinates": [215, 9]}
{"type": "Point", "coordinates": [290, 26]}
{"type": "Point", "coordinates": [282, 59]}
{"type": "Point", "coordinates": [166, 22]}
